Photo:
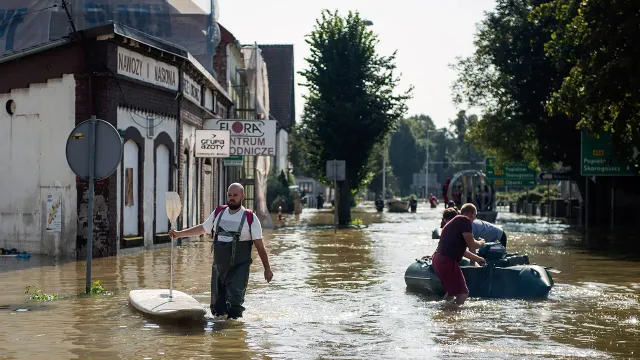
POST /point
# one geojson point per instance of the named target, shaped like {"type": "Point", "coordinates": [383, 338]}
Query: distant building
{"type": "Point", "coordinates": [280, 65]}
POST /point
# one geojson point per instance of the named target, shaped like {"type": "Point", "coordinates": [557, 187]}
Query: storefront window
{"type": "Point", "coordinates": [248, 164]}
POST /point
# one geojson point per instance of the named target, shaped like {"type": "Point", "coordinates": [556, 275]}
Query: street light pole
{"type": "Point", "coordinates": [384, 170]}
{"type": "Point", "coordinates": [426, 185]}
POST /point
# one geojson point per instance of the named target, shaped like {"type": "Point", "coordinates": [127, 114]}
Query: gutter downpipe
{"type": "Point", "coordinates": [178, 147]}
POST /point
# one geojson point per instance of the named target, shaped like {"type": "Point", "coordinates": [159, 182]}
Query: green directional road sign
{"type": "Point", "coordinates": [520, 171]}
{"type": "Point", "coordinates": [598, 158]}
{"type": "Point", "coordinates": [516, 182]}
{"type": "Point", "coordinates": [233, 160]}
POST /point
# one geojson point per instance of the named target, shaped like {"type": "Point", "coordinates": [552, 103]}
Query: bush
{"type": "Point", "coordinates": [539, 195]}
{"type": "Point", "coordinates": [277, 190]}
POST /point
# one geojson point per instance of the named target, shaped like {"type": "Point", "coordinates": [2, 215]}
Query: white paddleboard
{"type": "Point", "coordinates": [156, 302]}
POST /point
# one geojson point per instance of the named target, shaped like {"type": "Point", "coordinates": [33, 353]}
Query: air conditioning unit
{"type": "Point", "coordinates": [150, 127]}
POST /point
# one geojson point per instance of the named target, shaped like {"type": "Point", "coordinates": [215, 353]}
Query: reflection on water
{"type": "Point", "coordinates": [333, 296]}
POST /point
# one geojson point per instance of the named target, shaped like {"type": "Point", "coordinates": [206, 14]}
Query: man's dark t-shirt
{"type": "Point", "coordinates": [452, 242]}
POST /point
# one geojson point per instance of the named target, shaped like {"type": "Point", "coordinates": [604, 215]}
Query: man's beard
{"type": "Point", "coordinates": [234, 206]}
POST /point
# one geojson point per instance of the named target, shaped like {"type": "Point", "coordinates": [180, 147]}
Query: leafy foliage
{"type": "Point", "coordinates": [511, 78]}
{"type": "Point", "coordinates": [597, 42]}
{"type": "Point", "coordinates": [278, 190]}
{"type": "Point", "coordinates": [406, 154]}
{"type": "Point", "coordinates": [35, 293]}
{"type": "Point", "coordinates": [351, 104]}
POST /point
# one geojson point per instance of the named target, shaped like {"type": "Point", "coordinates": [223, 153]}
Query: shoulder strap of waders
{"type": "Point", "coordinates": [217, 216]}
{"type": "Point", "coordinates": [249, 221]}
{"type": "Point", "coordinates": [236, 238]}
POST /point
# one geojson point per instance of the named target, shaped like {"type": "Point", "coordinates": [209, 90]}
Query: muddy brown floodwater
{"type": "Point", "coordinates": [333, 297]}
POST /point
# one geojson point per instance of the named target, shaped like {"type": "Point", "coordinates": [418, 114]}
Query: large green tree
{"type": "Point", "coordinates": [352, 102]}
{"type": "Point", "coordinates": [512, 79]}
{"type": "Point", "coordinates": [598, 43]}
{"type": "Point", "coordinates": [406, 154]}
{"type": "Point", "coordinates": [462, 126]}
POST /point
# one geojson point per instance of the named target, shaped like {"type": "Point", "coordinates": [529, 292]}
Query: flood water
{"type": "Point", "coordinates": [333, 297]}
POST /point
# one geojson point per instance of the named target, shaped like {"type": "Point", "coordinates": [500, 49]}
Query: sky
{"type": "Point", "coordinates": [427, 34]}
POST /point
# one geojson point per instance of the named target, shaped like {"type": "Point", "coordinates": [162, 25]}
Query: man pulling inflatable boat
{"type": "Point", "coordinates": [502, 275]}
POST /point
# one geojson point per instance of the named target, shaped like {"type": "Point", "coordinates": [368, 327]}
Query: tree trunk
{"type": "Point", "coordinates": [344, 201]}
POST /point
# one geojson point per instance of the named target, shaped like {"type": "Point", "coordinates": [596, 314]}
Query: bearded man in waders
{"type": "Point", "coordinates": [234, 229]}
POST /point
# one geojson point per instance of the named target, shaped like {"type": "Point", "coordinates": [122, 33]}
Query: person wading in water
{"type": "Point", "coordinates": [456, 237]}
{"type": "Point", "coordinates": [234, 229]}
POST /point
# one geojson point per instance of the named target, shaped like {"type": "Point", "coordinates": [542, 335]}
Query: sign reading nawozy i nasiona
{"type": "Point", "coordinates": [149, 70]}
{"type": "Point", "coordinates": [598, 158]}
{"type": "Point", "coordinates": [248, 137]}
{"type": "Point", "coordinates": [212, 143]}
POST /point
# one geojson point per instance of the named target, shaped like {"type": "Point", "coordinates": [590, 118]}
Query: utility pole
{"type": "Point", "coordinates": [426, 181]}
{"type": "Point", "coordinates": [384, 170]}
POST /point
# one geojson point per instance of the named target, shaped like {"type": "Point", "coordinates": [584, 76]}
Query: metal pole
{"type": "Point", "coordinates": [384, 170]}
{"type": "Point", "coordinates": [335, 195]}
{"type": "Point", "coordinates": [549, 197]}
{"type": "Point", "coordinates": [612, 201]}
{"type": "Point", "coordinates": [92, 166]}
{"type": "Point", "coordinates": [426, 180]}
{"type": "Point", "coordinates": [570, 199]}
{"type": "Point", "coordinates": [586, 209]}
{"type": "Point", "coordinates": [171, 266]}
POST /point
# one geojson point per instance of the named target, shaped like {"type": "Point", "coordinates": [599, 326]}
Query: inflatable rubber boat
{"type": "Point", "coordinates": [507, 276]}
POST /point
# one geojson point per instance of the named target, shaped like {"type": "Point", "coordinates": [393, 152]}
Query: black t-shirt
{"type": "Point", "coordinates": [452, 242]}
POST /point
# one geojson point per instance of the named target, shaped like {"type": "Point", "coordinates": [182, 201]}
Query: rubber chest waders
{"type": "Point", "coordinates": [230, 270]}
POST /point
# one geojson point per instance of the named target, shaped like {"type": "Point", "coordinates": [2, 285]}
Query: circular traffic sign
{"type": "Point", "coordinates": [108, 150]}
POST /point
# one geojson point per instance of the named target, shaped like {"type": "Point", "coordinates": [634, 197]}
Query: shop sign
{"type": "Point", "coordinates": [146, 69]}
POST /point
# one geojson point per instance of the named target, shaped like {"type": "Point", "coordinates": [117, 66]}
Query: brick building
{"type": "Point", "coordinates": [154, 92]}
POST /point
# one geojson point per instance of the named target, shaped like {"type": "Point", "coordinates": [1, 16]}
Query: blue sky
{"type": "Point", "coordinates": [428, 35]}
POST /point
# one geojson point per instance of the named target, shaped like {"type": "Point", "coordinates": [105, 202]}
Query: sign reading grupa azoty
{"type": "Point", "coordinates": [248, 137]}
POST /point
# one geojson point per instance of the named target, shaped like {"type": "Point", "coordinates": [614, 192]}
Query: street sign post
{"type": "Point", "coordinates": [509, 182]}
{"type": "Point", "coordinates": [233, 160]}
{"type": "Point", "coordinates": [598, 158]}
{"type": "Point", "coordinates": [518, 174]}
{"type": "Point", "coordinates": [336, 169]}
{"type": "Point", "coordinates": [94, 151]}
{"type": "Point", "coordinates": [518, 171]}
{"type": "Point", "coordinates": [554, 176]}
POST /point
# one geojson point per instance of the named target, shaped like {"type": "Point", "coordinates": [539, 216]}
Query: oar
{"type": "Point", "coordinates": [173, 205]}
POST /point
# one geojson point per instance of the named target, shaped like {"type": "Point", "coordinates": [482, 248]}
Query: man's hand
{"type": "Point", "coordinates": [481, 261]}
{"type": "Point", "coordinates": [174, 234]}
{"type": "Point", "coordinates": [482, 243]}
{"type": "Point", "coordinates": [268, 275]}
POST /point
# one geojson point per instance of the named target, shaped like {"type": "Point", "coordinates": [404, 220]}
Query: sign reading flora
{"type": "Point", "coordinates": [248, 137]}
{"type": "Point", "coordinates": [212, 143]}
{"type": "Point", "coordinates": [598, 158]}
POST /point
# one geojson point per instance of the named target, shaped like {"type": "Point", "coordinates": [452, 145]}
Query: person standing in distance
{"type": "Point", "coordinates": [455, 238]}
{"type": "Point", "coordinates": [234, 229]}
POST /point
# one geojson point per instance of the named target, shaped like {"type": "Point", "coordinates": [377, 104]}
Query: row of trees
{"type": "Point", "coordinates": [449, 151]}
{"type": "Point", "coordinates": [545, 69]}
{"type": "Point", "coordinates": [353, 112]}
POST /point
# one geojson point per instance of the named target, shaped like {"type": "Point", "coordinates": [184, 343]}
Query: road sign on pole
{"type": "Point", "coordinates": [94, 151]}
{"type": "Point", "coordinates": [510, 175]}
{"type": "Point", "coordinates": [336, 170]}
{"type": "Point", "coordinates": [554, 176]}
{"type": "Point", "coordinates": [598, 158]}
{"type": "Point", "coordinates": [338, 167]}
